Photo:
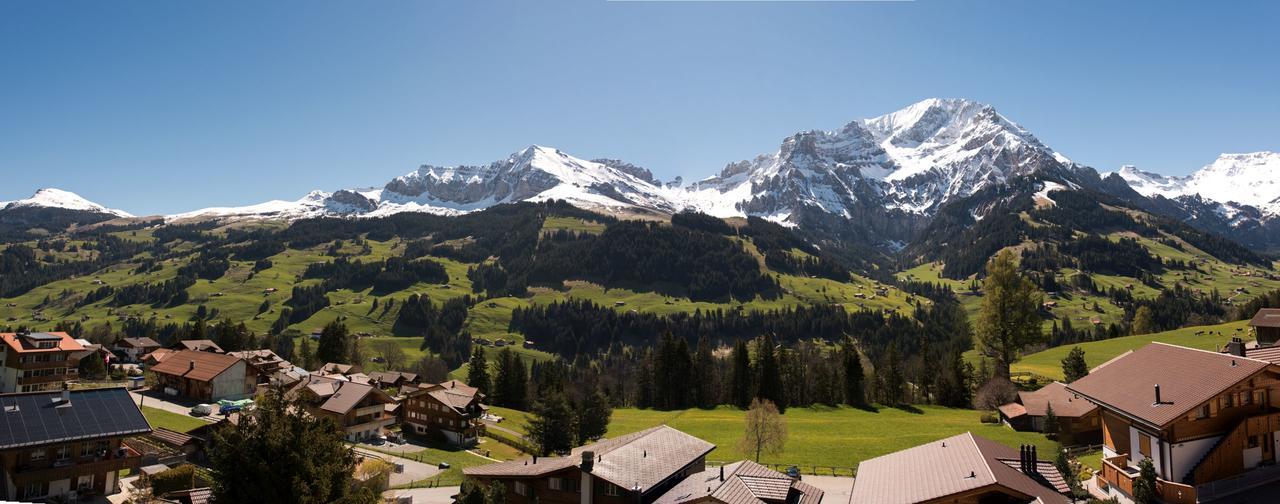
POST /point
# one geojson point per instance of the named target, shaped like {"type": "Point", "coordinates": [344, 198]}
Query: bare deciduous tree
{"type": "Point", "coordinates": [766, 432]}
{"type": "Point", "coordinates": [392, 355]}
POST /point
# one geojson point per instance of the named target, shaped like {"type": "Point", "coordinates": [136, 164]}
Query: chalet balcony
{"type": "Point", "coordinates": [374, 410]}
{"type": "Point", "coordinates": [57, 378]}
{"type": "Point", "coordinates": [371, 424]}
{"type": "Point", "coordinates": [1117, 474]}
{"type": "Point", "coordinates": [113, 460]}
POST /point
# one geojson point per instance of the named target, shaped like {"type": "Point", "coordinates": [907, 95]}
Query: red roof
{"type": "Point", "coordinates": [21, 344]}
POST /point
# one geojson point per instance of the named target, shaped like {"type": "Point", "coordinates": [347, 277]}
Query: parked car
{"type": "Point", "coordinates": [201, 409]}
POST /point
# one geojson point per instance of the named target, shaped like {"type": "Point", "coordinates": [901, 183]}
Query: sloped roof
{"type": "Point", "coordinates": [159, 354]}
{"type": "Point", "coordinates": [20, 344]}
{"type": "Point", "coordinates": [207, 364]}
{"type": "Point", "coordinates": [742, 482]}
{"type": "Point", "coordinates": [202, 345]}
{"type": "Point", "coordinates": [943, 468]}
{"type": "Point", "coordinates": [1066, 404]}
{"type": "Point", "coordinates": [339, 396]}
{"type": "Point", "coordinates": [1187, 379]}
{"type": "Point", "coordinates": [143, 342]}
{"type": "Point", "coordinates": [1266, 317]}
{"type": "Point", "coordinates": [171, 437]}
{"type": "Point", "coordinates": [1270, 354]}
{"type": "Point", "coordinates": [40, 418]}
{"type": "Point", "coordinates": [640, 459]}
{"type": "Point", "coordinates": [1012, 410]}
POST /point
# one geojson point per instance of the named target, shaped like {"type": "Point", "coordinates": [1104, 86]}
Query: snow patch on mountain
{"type": "Point", "coordinates": [1232, 180]}
{"type": "Point", "coordinates": [58, 198]}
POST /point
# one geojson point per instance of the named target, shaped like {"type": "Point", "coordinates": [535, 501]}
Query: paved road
{"type": "Point", "coordinates": [440, 495]}
{"type": "Point", "coordinates": [413, 470]}
{"type": "Point", "coordinates": [836, 488]}
{"type": "Point", "coordinates": [153, 399]}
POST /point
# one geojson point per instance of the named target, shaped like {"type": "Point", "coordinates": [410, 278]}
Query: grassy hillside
{"type": "Point", "coordinates": [821, 436]}
{"type": "Point", "coordinates": [1049, 362]}
{"type": "Point", "coordinates": [239, 293]}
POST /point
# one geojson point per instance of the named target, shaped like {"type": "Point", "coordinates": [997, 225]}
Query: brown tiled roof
{"type": "Point", "coordinates": [335, 368]}
{"type": "Point", "coordinates": [207, 364]}
{"type": "Point", "coordinates": [202, 345]}
{"type": "Point", "coordinates": [642, 459]}
{"type": "Point", "coordinates": [192, 496]}
{"type": "Point", "coordinates": [453, 393]}
{"type": "Point", "coordinates": [1066, 404]}
{"type": "Point", "coordinates": [173, 438]}
{"type": "Point", "coordinates": [1266, 317]}
{"type": "Point", "coordinates": [19, 344]}
{"type": "Point", "coordinates": [139, 342]}
{"type": "Point", "coordinates": [943, 468]}
{"type": "Point", "coordinates": [340, 396]}
{"type": "Point", "coordinates": [1047, 470]}
{"type": "Point", "coordinates": [743, 482]}
{"type": "Point", "coordinates": [1270, 354]}
{"type": "Point", "coordinates": [1187, 379]}
{"type": "Point", "coordinates": [159, 354]}
{"type": "Point", "coordinates": [1012, 410]}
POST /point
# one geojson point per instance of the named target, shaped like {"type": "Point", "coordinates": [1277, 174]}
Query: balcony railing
{"type": "Point", "coordinates": [113, 460]}
{"type": "Point", "coordinates": [1118, 474]}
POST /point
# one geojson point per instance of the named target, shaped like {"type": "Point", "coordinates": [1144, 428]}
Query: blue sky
{"type": "Point", "coordinates": [159, 107]}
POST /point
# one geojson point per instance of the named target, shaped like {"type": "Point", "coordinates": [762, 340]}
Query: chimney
{"type": "Point", "coordinates": [66, 394]}
{"type": "Point", "coordinates": [1158, 402]}
{"type": "Point", "coordinates": [721, 473]}
{"type": "Point", "coordinates": [191, 366]}
{"type": "Point", "coordinates": [1034, 466]}
{"type": "Point", "coordinates": [1022, 458]}
{"type": "Point", "coordinates": [1236, 347]}
{"type": "Point", "coordinates": [586, 495]}
{"type": "Point", "coordinates": [535, 458]}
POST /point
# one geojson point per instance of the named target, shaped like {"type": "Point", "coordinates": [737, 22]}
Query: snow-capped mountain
{"type": "Point", "coordinates": [1233, 181]}
{"type": "Point", "coordinates": [535, 173]}
{"type": "Point", "coordinates": [57, 198]}
{"type": "Point", "coordinates": [913, 160]}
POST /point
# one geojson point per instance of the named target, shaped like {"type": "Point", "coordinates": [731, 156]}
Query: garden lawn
{"type": "Point", "coordinates": [825, 436]}
{"type": "Point", "coordinates": [169, 420]}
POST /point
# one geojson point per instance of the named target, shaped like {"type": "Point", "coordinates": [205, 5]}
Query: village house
{"type": "Point", "coordinates": [272, 369]}
{"type": "Point", "coordinates": [1078, 419]}
{"type": "Point", "coordinates": [205, 376]}
{"type": "Point", "coordinates": [75, 452]}
{"type": "Point", "coordinates": [1208, 421]}
{"type": "Point", "coordinates": [199, 345]}
{"type": "Point", "coordinates": [134, 348]}
{"type": "Point", "coordinates": [1266, 326]}
{"type": "Point", "coordinates": [34, 362]}
{"type": "Point", "coordinates": [362, 411]}
{"type": "Point", "coordinates": [451, 410]}
{"type": "Point", "coordinates": [634, 468]}
{"type": "Point", "coordinates": [962, 469]}
{"type": "Point", "coordinates": [393, 379]}
{"type": "Point", "coordinates": [157, 356]}
{"type": "Point", "coordinates": [742, 482]}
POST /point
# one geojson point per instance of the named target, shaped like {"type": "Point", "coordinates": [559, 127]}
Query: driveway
{"type": "Point", "coordinates": [439, 495]}
{"type": "Point", "coordinates": [836, 489]}
{"type": "Point", "coordinates": [413, 470]}
{"type": "Point", "coordinates": [152, 399]}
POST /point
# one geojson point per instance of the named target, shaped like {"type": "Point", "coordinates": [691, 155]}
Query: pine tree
{"type": "Point", "coordinates": [769, 373]}
{"type": "Point", "coordinates": [280, 454]}
{"type": "Point", "coordinates": [742, 385]}
{"type": "Point", "coordinates": [308, 357]}
{"type": "Point", "coordinates": [334, 345]}
{"type": "Point", "coordinates": [703, 375]}
{"type": "Point", "coordinates": [478, 370]}
{"type": "Point", "coordinates": [1144, 486]}
{"type": "Point", "coordinates": [892, 383]}
{"type": "Point", "coordinates": [593, 417]}
{"type": "Point", "coordinates": [1051, 426]}
{"type": "Point", "coordinates": [1009, 319]}
{"type": "Point", "coordinates": [1074, 366]}
{"type": "Point", "coordinates": [551, 425]}
{"type": "Point", "coordinates": [853, 374]}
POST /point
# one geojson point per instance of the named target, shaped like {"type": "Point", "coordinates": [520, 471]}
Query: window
{"type": "Point", "coordinates": [555, 483]}
{"type": "Point", "coordinates": [33, 490]}
{"type": "Point", "coordinates": [1253, 442]}
{"type": "Point", "coordinates": [522, 488]}
{"type": "Point", "coordinates": [1246, 398]}
{"type": "Point", "coordinates": [37, 454]}
{"type": "Point", "coordinates": [85, 483]}
{"type": "Point", "coordinates": [1144, 445]}
{"type": "Point", "coordinates": [1226, 401]}
{"type": "Point", "coordinates": [612, 490]}
{"type": "Point", "coordinates": [63, 453]}
{"type": "Point", "coordinates": [1203, 412]}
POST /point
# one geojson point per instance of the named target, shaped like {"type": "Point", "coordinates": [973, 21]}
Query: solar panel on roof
{"type": "Point", "coordinates": [33, 419]}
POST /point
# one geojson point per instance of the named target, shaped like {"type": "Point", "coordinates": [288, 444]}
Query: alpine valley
{"type": "Point", "coordinates": [894, 215]}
